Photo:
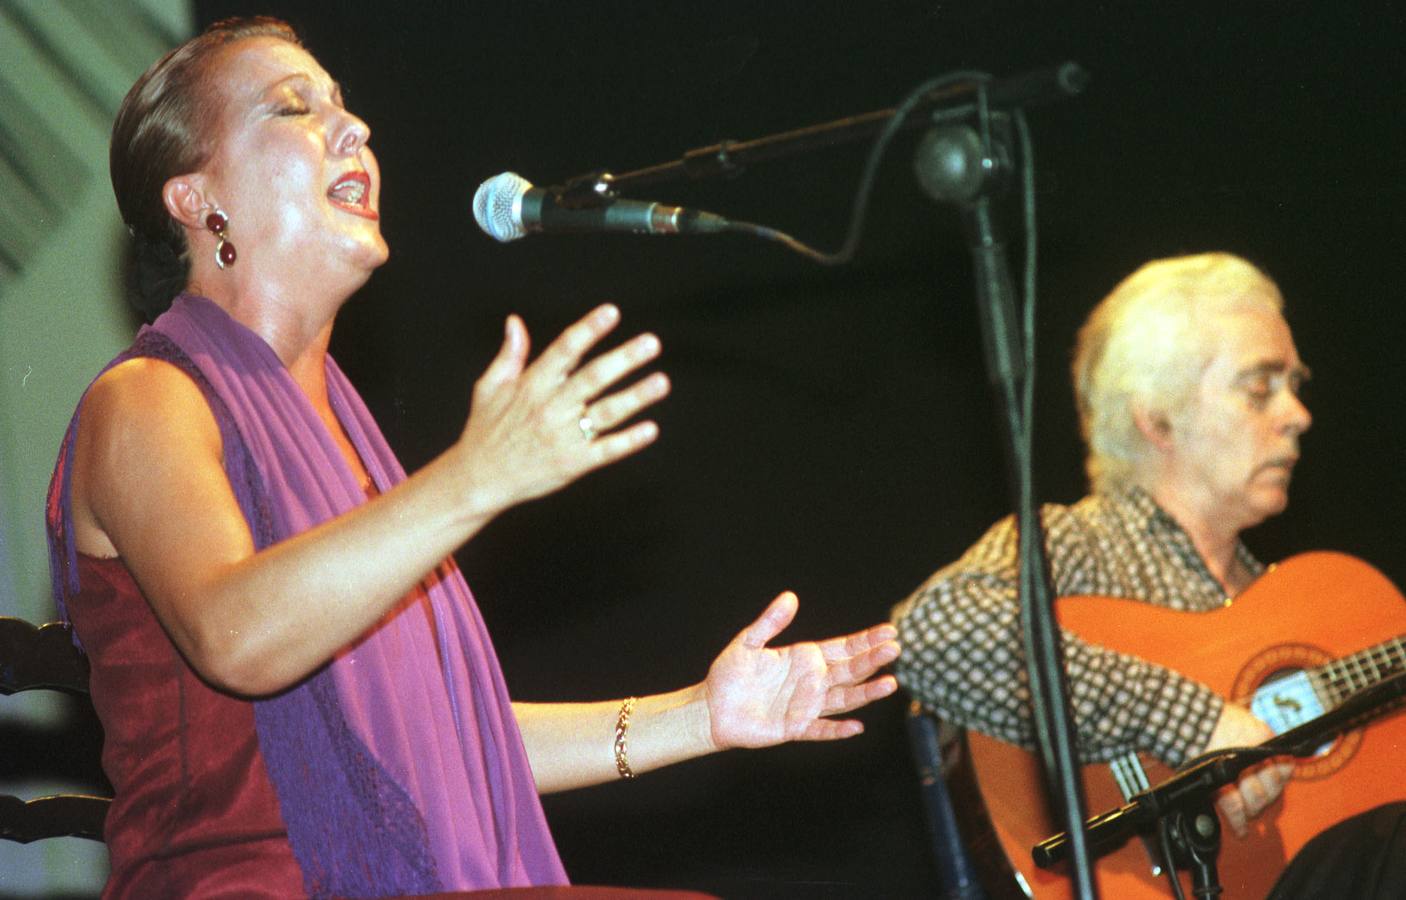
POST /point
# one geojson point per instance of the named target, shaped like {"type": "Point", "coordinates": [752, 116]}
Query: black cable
{"type": "Point", "coordinates": [1051, 713]}
{"type": "Point", "coordinates": [1039, 694]}
{"type": "Point", "coordinates": [867, 177]}
{"type": "Point", "coordinates": [1164, 841]}
{"type": "Point", "coordinates": [1051, 716]}
{"type": "Point", "coordinates": [1027, 186]}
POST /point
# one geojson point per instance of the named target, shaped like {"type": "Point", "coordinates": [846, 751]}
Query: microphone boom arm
{"type": "Point", "coordinates": [728, 157]}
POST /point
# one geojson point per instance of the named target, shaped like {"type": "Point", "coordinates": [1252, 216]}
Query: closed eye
{"type": "Point", "coordinates": [1258, 387]}
{"type": "Point", "coordinates": [1261, 382]}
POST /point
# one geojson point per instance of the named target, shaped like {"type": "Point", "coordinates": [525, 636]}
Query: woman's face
{"type": "Point", "coordinates": [290, 165]}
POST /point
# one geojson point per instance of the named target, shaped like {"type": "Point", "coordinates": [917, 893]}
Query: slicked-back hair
{"type": "Point", "coordinates": [164, 128]}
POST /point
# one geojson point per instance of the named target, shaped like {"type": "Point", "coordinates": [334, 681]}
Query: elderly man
{"type": "Point", "coordinates": [1187, 383]}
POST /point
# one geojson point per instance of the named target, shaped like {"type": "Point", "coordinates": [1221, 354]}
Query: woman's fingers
{"type": "Point", "coordinates": [843, 698]}
{"type": "Point", "coordinates": [537, 427]}
{"type": "Point", "coordinates": [853, 644]}
{"type": "Point", "coordinates": [592, 379]}
{"type": "Point", "coordinates": [558, 379]}
{"type": "Point", "coordinates": [832, 730]}
{"type": "Point", "coordinates": [509, 361]}
{"type": "Point", "coordinates": [855, 669]}
{"type": "Point", "coordinates": [620, 444]}
{"type": "Point", "coordinates": [613, 409]}
{"type": "Point", "coordinates": [565, 353]}
{"type": "Point", "coordinates": [779, 613]}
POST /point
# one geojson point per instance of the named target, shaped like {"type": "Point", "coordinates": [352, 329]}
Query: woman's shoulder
{"type": "Point", "coordinates": [142, 426]}
{"type": "Point", "coordinates": [140, 410]}
{"type": "Point", "coordinates": [145, 387]}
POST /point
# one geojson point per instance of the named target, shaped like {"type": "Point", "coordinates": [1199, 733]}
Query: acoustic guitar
{"type": "Point", "coordinates": [1302, 638]}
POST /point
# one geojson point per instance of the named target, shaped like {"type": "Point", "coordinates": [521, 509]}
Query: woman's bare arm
{"type": "Point", "coordinates": [754, 696]}
{"type": "Point", "coordinates": [150, 486]}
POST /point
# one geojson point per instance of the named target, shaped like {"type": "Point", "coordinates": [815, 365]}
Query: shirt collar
{"type": "Point", "coordinates": [1137, 506]}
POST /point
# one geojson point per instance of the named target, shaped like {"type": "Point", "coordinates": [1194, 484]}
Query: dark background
{"type": "Point", "coordinates": [831, 430]}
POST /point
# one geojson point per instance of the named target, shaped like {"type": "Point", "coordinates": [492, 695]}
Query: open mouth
{"type": "Point", "coordinates": [352, 192]}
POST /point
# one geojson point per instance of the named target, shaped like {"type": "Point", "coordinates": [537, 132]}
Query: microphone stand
{"type": "Point", "coordinates": [966, 168]}
{"type": "Point", "coordinates": [952, 102]}
{"type": "Point", "coordinates": [1186, 799]}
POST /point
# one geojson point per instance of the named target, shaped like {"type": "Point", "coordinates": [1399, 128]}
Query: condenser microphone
{"type": "Point", "coordinates": [508, 207]}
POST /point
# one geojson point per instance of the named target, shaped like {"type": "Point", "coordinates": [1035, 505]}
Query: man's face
{"type": "Point", "coordinates": [1234, 447]}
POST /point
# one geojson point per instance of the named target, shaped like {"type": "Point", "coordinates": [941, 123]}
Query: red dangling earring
{"type": "Point", "coordinates": [218, 224]}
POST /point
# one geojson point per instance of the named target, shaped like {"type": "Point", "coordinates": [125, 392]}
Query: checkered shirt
{"type": "Point", "coordinates": [962, 647]}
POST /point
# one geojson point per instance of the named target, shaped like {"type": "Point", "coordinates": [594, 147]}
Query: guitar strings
{"type": "Point", "coordinates": [1342, 677]}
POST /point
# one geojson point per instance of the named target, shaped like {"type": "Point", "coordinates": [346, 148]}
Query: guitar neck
{"type": "Point", "coordinates": [1340, 679]}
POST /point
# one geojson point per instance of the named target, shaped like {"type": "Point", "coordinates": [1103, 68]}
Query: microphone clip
{"type": "Point", "coordinates": [591, 190]}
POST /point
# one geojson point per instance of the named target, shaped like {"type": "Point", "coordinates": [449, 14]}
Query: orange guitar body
{"type": "Point", "coordinates": [1307, 611]}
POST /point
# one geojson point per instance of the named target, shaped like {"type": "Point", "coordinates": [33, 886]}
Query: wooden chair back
{"type": "Point", "coordinates": [45, 658]}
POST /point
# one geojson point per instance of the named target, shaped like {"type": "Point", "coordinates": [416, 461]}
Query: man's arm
{"type": "Point", "coordinates": [963, 656]}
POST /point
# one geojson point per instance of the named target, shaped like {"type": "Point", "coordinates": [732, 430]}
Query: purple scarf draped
{"type": "Point", "coordinates": [399, 767]}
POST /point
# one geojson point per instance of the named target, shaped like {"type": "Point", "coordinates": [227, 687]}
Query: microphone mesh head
{"type": "Point", "coordinates": [498, 206]}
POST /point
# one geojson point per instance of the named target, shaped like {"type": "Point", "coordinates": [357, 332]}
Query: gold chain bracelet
{"type": "Point", "coordinates": [622, 728]}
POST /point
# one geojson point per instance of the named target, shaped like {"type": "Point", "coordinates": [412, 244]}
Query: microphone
{"type": "Point", "coordinates": [508, 207]}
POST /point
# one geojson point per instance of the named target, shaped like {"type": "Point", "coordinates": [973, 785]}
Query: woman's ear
{"type": "Point", "coordinates": [1154, 425]}
{"type": "Point", "coordinates": [184, 198]}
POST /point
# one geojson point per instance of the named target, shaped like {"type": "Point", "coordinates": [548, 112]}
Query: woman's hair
{"type": "Point", "coordinates": [1146, 345]}
{"type": "Point", "coordinates": [163, 130]}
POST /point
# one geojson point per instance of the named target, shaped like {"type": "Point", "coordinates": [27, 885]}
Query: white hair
{"type": "Point", "coordinates": [1146, 345]}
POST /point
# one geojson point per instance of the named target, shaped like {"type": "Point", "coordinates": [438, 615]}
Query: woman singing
{"type": "Point", "coordinates": [297, 690]}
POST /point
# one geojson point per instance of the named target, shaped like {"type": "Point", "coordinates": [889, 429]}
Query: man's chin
{"type": "Point", "coordinates": [1271, 501]}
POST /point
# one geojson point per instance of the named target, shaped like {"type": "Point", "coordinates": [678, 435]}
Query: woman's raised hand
{"type": "Point", "coordinates": [536, 428]}
{"type": "Point", "coordinates": [759, 696]}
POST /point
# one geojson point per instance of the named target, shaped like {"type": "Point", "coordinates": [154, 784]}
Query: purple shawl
{"type": "Point", "coordinates": [399, 767]}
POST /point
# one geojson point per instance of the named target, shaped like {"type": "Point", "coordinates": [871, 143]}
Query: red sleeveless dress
{"type": "Point", "coordinates": [194, 813]}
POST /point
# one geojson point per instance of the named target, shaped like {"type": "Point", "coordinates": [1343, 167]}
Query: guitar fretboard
{"type": "Point", "coordinates": [1337, 680]}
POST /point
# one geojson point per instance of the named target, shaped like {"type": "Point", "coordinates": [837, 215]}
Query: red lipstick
{"type": "Point", "coordinates": [352, 192]}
